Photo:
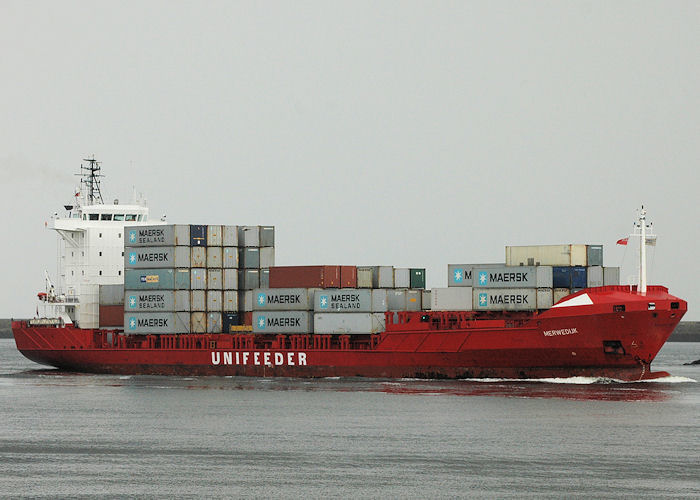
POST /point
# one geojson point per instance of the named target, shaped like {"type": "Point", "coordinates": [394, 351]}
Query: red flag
{"type": "Point", "coordinates": [623, 241]}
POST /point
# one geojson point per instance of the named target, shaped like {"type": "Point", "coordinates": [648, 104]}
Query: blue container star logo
{"type": "Point", "coordinates": [132, 323]}
{"type": "Point", "coordinates": [132, 301]}
{"type": "Point", "coordinates": [262, 298]}
{"type": "Point", "coordinates": [483, 299]}
{"type": "Point", "coordinates": [483, 277]}
{"type": "Point", "coordinates": [323, 302]}
{"type": "Point", "coordinates": [459, 275]}
{"type": "Point", "coordinates": [261, 322]}
{"type": "Point", "coordinates": [132, 236]}
{"type": "Point", "coordinates": [132, 257]}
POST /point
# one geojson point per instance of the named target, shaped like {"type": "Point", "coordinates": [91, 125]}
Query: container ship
{"type": "Point", "coordinates": [135, 296]}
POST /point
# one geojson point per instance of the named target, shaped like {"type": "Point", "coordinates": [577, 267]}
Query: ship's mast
{"type": "Point", "coordinates": [90, 177]}
{"type": "Point", "coordinates": [644, 237]}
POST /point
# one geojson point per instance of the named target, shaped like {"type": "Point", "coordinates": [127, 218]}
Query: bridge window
{"type": "Point", "coordinates": [130, 217]}
{"type": "Point", "coordinates": [118, 216]}
{"type": "Point", "coordinates": [139, 218]}
{"type": "Point", "coordinates": [94, 216]}
{"type": "Point", "coordinates": [106, 217]}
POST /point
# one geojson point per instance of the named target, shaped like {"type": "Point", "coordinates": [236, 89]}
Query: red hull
{"type": "Point", "coordinates": [616, 335]}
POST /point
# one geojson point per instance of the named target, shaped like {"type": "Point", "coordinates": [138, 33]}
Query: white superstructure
{"type": "Point", "coordinates": [91, 248]}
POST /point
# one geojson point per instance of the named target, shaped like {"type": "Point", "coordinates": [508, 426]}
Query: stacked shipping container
{"type": "Point", "coordinates": [187, 278]}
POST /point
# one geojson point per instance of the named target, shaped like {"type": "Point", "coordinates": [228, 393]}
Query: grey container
{"type": "Point", "coordinates": [560, 293]}
{"type": "Point", "coordinates": [248, 236]}
{"type": "Point", "coordinates": [383, 277]}
{"type": "Point", "coordinates": [214, 236]}
{"type": "Point", "coordinates": [156, 322]}
{"type": "Point", "coordinates": [611, 276]}
{"type": "Point", "coordinates": [215, 279]}
{"type": "Point", "coordinates": [349, 323]}
{"type": "Point", "coordinates": [157, 279]}
{"type": "Point", "coordinates": [230, 279]}
{"type": "Point", "coordinates": [426, 300]}
{"type": "Point", "coordinates": [282, 322]}
{"type": "Point", "coordinates": [396, 300]}
{"type": "Point", "coordinates": [595, 255]}
{"type": "Point", "coordinates": [198, 300]}
{"type": "Point", "coordinates": [505, 299]}
{"type": "Point", "coordinates": [214, 324]}
{"type": "Point", "coordinates": [545, 298]}
{"type": "Point", "coordinates": [199, 279]}
{"type": "Point", "coordinates": [379, 300]}
{"type": "Point", "coordinates": [230, 236]}
{"type": "Point", "coordinates": [156, 257]}
{"type": "Point", "coordinates": [215, 257]}
{"type": "Point", "coordinates": [343, 300]}
{"type": "Point", "coordinates": [365, 276]}
{"type": "Point", "coordinates": [544, 276]}
{"type": "Point", "coordinates": [413, 300]}
{"type": "Point", "coordinates": [245, 301]}
{"type": "Point", "coordinates": [267, 236]}
{"type": "Point", "coordinates": [214, 301]}
{"type": "Point", "coordinates": [505, 277]}
{"type": "Point", "coordinates": [264, 278]}
{"type": "Point", "coordinates": [454, 298]}
{"type": "Point", "coordinates": [198, 322]}
{"type": "Point", "coordinates": [249, 279]}
{"type": "Point", "coordinates": [461, 274]}
{"type": "Point", "coordinates": [111, 295]}
{"type": "Point", "coordinates": [249, 258]}
{"type": "Point", "coordinates": [267, 257]}
{"type": "Point", "coordinates": [594, 276]}
{"type": "Point", "coordinates": [283, 299]}
{"type": "Point", "coordinates": [230, 257]}
{"type": "Point", "coordinates": [156, 300]}
{"type": "Point", "coordinates": [230, 300]}
{"type": "Point", "coordinates": [157, 235]}
{"type": "Point", "coordinates": [402, 277]}
{"type": "Point", "coordinates": [198, 256]}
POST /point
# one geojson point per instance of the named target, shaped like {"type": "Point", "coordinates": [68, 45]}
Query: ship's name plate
{"type": "Point", "coordinates": [557, 333]}
{"type": "Point", "coordinates": [258, 358]}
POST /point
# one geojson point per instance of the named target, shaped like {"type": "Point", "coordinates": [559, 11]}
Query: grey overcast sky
{"type": "Point", "coordinates": [404, 133]}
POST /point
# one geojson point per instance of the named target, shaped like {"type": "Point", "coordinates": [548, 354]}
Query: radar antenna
{"type": "Point", "coordinates": [90, 175]}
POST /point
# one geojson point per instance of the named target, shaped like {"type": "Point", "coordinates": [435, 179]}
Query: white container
{"type": "Point", "coordinates": [379, 300]}
{"type": "Point", "coordinates": [198, 322]}
{"type": "Point", "coordinates": [230, 257]}
{"type": "Point", "coordinates": [547, 255]}
{"type": "Point", "coordinates": [215, 257]}
{"type": "Point", "coordinates": [214, 301]}
{"type": "Point", "coordinates": [349, 323]}
{"type": "Point", "coordinates": [267, 257]}
{"type": "Point", "coordinates": [198, 256]}
{"type": "Point", "coordinates": [383, 277]}
{"type": "Point", "coordinates": [364, 277]}
{"type": "Point", "coordinates": [230, 236]}
{"type": "Point", "coordinates": [545, 298]}
{"type": "Point", "coordinates": [230, 279]}
{"type": "Point", "coordinates": [594, 276]}
{"type": "Point", "coordinates": [426, 300]}
{"type": "Point", "coordinates": [611, 276]}
{"type": "Point", "coordinates": [198, 279]}
{"type": "Point", "coordinates": [451, 299]}
{"type": "Point", "coordinates": [505, 299]}
{"type": "Point", "coordinates": [214, 236]}
{"type": "Point", "coordinates": [230, 300]}
{"type": "Point", "coordinates": [198, 300]}
{"type": "Point", "coordinates": [402, 277]}
{"type": "Point", "coordinates": [283, 299]}
{"type": "Point", "coordinates": [560, 293]}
